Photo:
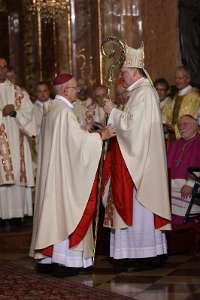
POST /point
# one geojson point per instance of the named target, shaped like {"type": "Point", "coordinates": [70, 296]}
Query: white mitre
{"type": "Point", "coordinates": [135, 59]}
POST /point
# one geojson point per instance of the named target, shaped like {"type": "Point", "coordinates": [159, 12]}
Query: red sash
{"type": "Point", "coordinates": [122, 191]}
{"type": "Point", "coordinates": [121, 182]}
{"type": "Point", "coordinates": [76, 237]}
{"type": "Point", "coordinates": [122, 185]}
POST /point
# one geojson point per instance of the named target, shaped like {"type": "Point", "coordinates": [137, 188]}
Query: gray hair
{"type": "Point", "coordinates": [59, 88]}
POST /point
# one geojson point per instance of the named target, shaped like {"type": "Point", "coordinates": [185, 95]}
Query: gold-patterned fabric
{"type": "Point", "coordinates": [23, 178]}
{"type": "Point", "coordinates": [109, 211]}
{"type": "Point", "coordinates": [15, 157]}
{"type": "Point", "coordinates": [5, 155]}
{"type": "Point", "coordinates": [180, 106]}
{"type": "Point", "coordinates": [164, 107]}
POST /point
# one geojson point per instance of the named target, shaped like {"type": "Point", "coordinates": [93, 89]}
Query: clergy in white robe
{"type": "Point", "coordinates": [43, 100]}
{"type": "Point", "coordinates": [66, 185]}
{"type": "Point", "coordinates": [138, 207]}
{"type": "Point", "coordinates": [100, 92]}
{"type": "Point", "coordinates": [80, 109]}
{"type": "Point", "coordinates": [82, 102]}
{"type": "Point", "coordinates": [16, 172]}
{"type": "Point", "coordinates": [43, 97]}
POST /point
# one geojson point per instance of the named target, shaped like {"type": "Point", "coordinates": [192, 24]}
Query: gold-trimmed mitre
{"type": "Point", "coordinates": [134, 57]}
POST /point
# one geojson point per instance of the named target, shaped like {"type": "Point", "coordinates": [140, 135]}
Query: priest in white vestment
{"type": "Point", "coordinates": [82, 102]}
{"type": "Point", "coordinates": [43, 100]}
{"type": "Point", "coordinates": [43, 97]}
{"type": "Point", "coordinates": [66, 186]}
{"type": "Point", "coordinates": [16, 172]}
{"type": "Point", "coordinates": [100, 92]}
{"type": "Point", "coordinates": [137, 208]}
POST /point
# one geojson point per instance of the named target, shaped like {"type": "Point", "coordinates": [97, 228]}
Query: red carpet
{"type": "Point", "coordinates": [18, 283]}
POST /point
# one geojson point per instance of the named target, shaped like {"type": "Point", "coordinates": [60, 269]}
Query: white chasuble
{"type": "Point", "coordinates": [67, 165]}
{"type": "Point", "coordinates": [140, 137]}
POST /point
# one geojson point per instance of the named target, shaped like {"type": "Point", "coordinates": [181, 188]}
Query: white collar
{"type": "Point", "coordinates": [40, 103]}
{"type": "Point", "coordinates": [185, 90]}
{"type": "Point", "coordinates": [132, 86]}
{"type": "Point", "coordinates": [63, 99]}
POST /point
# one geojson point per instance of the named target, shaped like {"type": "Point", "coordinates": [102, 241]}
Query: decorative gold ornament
{"type": "Point", "coordinates": [49, 9]}
{"type": "Point", "coordinates": [113, 50]}
{"type": "Point", "coordinates": [82, 58]}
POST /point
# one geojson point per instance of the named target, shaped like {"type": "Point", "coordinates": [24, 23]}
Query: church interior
{"type": "Point", "coordinates": [40, 39]}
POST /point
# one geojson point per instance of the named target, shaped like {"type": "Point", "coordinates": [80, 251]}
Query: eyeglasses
{"type": "Point", "coordinates": [73, 87]}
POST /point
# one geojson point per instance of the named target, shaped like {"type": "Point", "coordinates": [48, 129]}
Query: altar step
{"type": "Point", "coordinates": [15, 239]}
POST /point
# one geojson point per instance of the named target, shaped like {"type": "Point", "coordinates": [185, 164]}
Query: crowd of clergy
{"type": "Point", "coordinates": [53, 145]}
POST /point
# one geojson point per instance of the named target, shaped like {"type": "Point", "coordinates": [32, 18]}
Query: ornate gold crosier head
{"type": "Point", "coordinates": [114, 51]}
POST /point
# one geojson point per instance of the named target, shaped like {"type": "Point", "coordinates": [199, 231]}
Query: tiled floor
{"type": "Point", "coordinates": [178, 280]}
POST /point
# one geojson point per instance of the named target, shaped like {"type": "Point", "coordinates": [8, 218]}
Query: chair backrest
{"type": "Point", "coordinates": [193, 171]}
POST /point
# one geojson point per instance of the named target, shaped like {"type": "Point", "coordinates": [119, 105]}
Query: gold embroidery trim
{"type": "Point", "coordinates": [109, 211]}
{"type": "Point", "coordinates": [5, 154]}
{"type": "Point", "coordinates": [23, 178]}
{"type": "Point", "coordinates": [18, 97]}
{"type": "Point", "coordinates": [177, 107]}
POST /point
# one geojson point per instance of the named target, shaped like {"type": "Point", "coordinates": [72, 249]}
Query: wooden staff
{"type": "Point", "coordinates": [114, 50]}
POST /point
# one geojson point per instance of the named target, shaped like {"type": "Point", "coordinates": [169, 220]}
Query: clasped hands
{"type": "Point", "coordinates": [106, 132]}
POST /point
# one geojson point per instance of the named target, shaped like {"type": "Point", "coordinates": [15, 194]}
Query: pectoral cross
{"type": "Point", "coordinates": [178, 161]}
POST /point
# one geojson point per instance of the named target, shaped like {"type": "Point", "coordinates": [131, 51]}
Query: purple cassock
{"type": "Point", "coordinates": [182, 155]}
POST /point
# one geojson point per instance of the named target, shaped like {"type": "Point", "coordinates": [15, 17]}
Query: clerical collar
{"type": "Point", "coordinates": [191, 139]}
{"type": "Point", "coordinates": [132, 86]}
{"type": "Point", "coordinates": [40, 103]}
{"type": "Point", "coordinates": [63, 99]}
{"type": "Point", "coordinates": [185, 90]}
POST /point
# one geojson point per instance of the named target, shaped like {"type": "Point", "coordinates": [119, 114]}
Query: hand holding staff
{"type": "Point", "coordinates": [115, 51]}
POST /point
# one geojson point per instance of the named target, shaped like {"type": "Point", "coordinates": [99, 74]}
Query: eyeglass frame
{"type": "Point", "coordinates": [73, 87]}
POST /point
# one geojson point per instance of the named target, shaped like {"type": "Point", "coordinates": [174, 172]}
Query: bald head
{"type": "Point", "coordinates": [188, 127]}
{"type": "Point", "coordinates": [182, 77]}
{"type": "Point", "coordinates": [3, 69]}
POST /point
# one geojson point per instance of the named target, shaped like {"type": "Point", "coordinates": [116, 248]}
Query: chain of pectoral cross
{"type": "Point", "coordinates": [181, 152]}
